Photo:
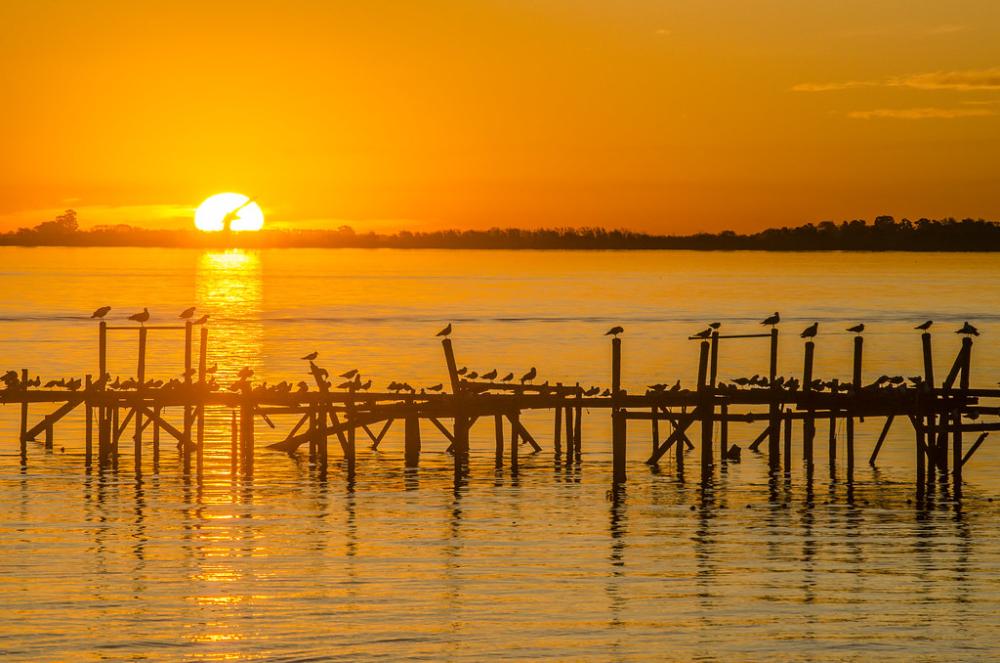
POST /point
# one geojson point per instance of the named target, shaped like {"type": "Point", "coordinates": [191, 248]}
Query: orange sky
{"type": "Point", "coordinates": [660, 116]}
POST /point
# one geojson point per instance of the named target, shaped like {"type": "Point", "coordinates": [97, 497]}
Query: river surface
{"type": "Point", "coordinates": [288, 565]}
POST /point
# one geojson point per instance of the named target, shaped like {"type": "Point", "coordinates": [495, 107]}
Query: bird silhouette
{"type": "Point", "coordinates": [676, 387]}
{"type": "Point", "coordinates": [529, 376]}
{"type": "Point", "coordinates": [925, 326]}
{"type": "Point", "coordinates": [462, 371]}
{"type": "Point", "coordinates": [507, 378]}
{"type": "Point", "coordinates": [346, 385]}
{"type": "Point", "coordinates": [471, 376]}
{"type": "Point", "coordinates": [311, 356]}
{"type": "Point", "coordinates": [141, 318]}
{"type": "Point", "coordinates": [614, 331]}
{"type": "Point", "coordinates": [810, 331]}
{"type": "Point", "coordinates": [187, 313]}
{"type": "Point", "coordinates": [101, 312]}
{"type": "Point", "coordinates": [349, 374]}
{"type": "Point", "coordinates": [245, 372]}
{"type": "Point", "coordinates": [303, 387]}
{"type": "Point", "coordinates": [857, 329]}
{"type": "Point", "coordinates": [200, 321]}
{"type": "Point", "coordinates": [771, 320]}
{"type": "Point", "coordinates": [437, 387]}
{"type": "Point", "coordinates": [967, 330]}
{"type": "Point", "coordinates": [492, 375]}
{"type": "Point", "coordinates": [446, 331]}
{"type": "Point", "coordinates": [714, 325]}
{"type": "Point", "coordinates": [363, 386]}
{"type": "Point", "coordinates": [705, 333]}
{"type": "Point", "coordinates": [213, 368]}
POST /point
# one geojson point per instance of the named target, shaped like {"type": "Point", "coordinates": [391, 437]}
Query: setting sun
{"type": "Point", "coordinates": [229, 210]}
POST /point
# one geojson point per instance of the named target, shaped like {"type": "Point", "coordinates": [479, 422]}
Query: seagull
{"type": "Point", "coordinates": [101, 312]}
{"type": "Point", "coordinates": [141, 318]}
{"type": "Point", "coordinates": [529, 376]}
{"type": "Point", "coordinates": [614, 331]}
{"type": "Point", "coordinates": [857, 329]}
{"type": "Point", "coordinates": [507, 378]}
{"type": "Point", "coordinates": [311, 356]}
{"type": "Point", "coordinates": [245, 372]}
{"type": "Point", "coordinates": [676, 387]}
{"type": "Point", "coordinates": [703, 334]}
{"type": "Point", "coordinates": [200, 321]}
{"type": "Point", "coordinates": [187, 313]}
{"type": "Point", "coordinates": [437, 387]}
{"type": "Point", "coordinates": [446, 331]}
{"type": "Point", "coordinates": [492, 375]}
{"type": "Point", "coordinates": [472, 376]}
{"type": "Point", "coordinates": [714, 325]}
{"type": "Point", "coordinates": [462, 371]}
{"type": "Point", "coordinates": [346, 385]}
{"type": "Point", "coordinates": [810, 331]}
{"type": "Point", "coordinates": [363, 386]}
{"type": "Point", "coordinates": [771, 321]}
{"type": "Point", "coordinates": [968, 330]}
{"type": "Point", "coordinates": [213, 368]}
{"type": "Point", "coordinates": [925, 326]}
{"type": "Point", "coordinates": [349, 374]}
{"type": "Point", "coordinates": [303, 386]}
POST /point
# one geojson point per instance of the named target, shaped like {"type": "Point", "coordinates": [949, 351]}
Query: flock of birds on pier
{"type": "Point", "coordinates": [352, 380]}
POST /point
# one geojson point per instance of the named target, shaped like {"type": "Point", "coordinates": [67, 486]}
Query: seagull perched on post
{"type": "Point", "coordinates": [810, 331]}
{"type": "Point", "coordinates": [507, 378]}
{"type": "Point", "coordinates": [968, 330]}
{"type": "Point", "coordinates": [925, 326]}
{"type": "Point", "coordinates": [614, 331]}
{"type": "Point", "coordinates": [200, 321]}
{"type": "Point", "coordinates": [311, 356]}
{"type": "Point", "coordinates": [187, 313]}
{"type": "Point", "coordinates": [141, 318]}
{"type": "Point", "coordinates": [349, 374]}
{"type": "Point", "coordinates": [772, 320]}
{"type": "Point", "coordinates": [492, 375]}
{"type": "Point", "coordinates": [714, 325]}
{"type": "Point", "coordinates": [705, 333]}
{"type": "Point", "coordinates": [446, 331]}
{"type": "Point", "coordinates": [857, 329]}
{"type": "Point", "coordinates": [101, 312]}
{"type": "Point", "coordinates": [529, 376]}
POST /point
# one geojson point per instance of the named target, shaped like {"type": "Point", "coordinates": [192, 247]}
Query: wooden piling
{"type": "Point", "coordinates": [23, 437]}
{"type": "Point", "coordinates": [707, 409]}
{"type": "Point", "coordinates": [963, 385]}
{"type": "Point", "coordinates": [788, 442]}
{"type": "Point", "coordinates": [774, 406]}
{"type": "Point", "coordinates": [723, 433]}
{"type": "Point", "coordinates": [809, 422]}
{"type": "Point", "coordinates": [578, 426]}
{"type": "Point", "coordinates": [157, 410]}
{"type": "Point", "coordinates": [556, 433]}
{"type": "Point", "coordinates": [141, 378]}
{"type": "Point", "coordinates": [655, 426]}
{"type": "Point", "coordinates": [713, 371]}
{"type": "Point", "coordinates": [618, 424]}
{"type": "Point", "coordinates": [411, 441]}
{"type": "Point", "coordinates": [515, 420]}
{"type": "Point", "coordinates": [498, 433]}
{"type": "Point", "coordinates": [233, 443]}
{"type": "Point", "coordinates": [88, 441]}
{"type": "Point", "coordinates": [832, 444]}
{"type": "Point", "coordinates": [202, 374]}
{"type": "Point", "coordinates": [926, 456]}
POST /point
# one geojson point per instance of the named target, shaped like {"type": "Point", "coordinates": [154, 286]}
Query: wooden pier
{"type": "Point", "coordinates": [940, 414]}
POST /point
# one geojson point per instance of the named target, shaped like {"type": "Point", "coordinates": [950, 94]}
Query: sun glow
{"type": "Point", "coordinates": [228, 210]}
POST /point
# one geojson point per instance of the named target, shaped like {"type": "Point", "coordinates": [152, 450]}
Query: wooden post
{"type": "Point", "coordinates": [723, 433]}
{"type": "Point", "coordinates": [963, 385]}
{"type": "Point", "coordinates": [809, 422]}
{"type": "Point", "coordinates": [556, 434]}
{"type": "Point", "coordinates": [714, 363]}
{"type": "Point", "coordinates": [618, 425]}
{"type": "Point", "coordinates": [115, 411]}
{"type": "Point", "coordinates": [234, 443]}
{"type": "Point", "coordinates": [515, 418]}
{"type": "Point", "coordinates": [707, 410]}
{"type": "Point", "coordinates": [850, 448]}
{"type": "Point", "coordinates": [926, 452]}
{"type": "Point", "coordinates": [449, 358]}
{"type": "Point", "coordinates": [88, 450]}
{"type": "Point", "coordinates": [498, 430]}
{"type": "Point", "coordinates": [832, 444]}
{"type": "Point", "coordinates": [351, 451]}
{"type": "Point", "coordinates": [157, 410]}
{"type": "Point", "coordinates": [578, 425]}
{"type": "Point", "coordinates": [654, 413]}
{"type": "Point", "coordinates": [569, 432]}
{"type": "Point", "coordinates": [788, 441]}
{"type": "Point", "coordinates": [24, 416]}
{"type": "Point", "coordinates": [859, 343]}
{"type": "Point", "coordinates": [411, 440]}
{"type": "Point", "coordinates": [774, 407]}
{"type": "Point", "coordinates": [202, 373]}
{"type": "Point", "coordinates": [141, 378]}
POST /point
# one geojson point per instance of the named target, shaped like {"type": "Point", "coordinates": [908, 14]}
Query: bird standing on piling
{"type": "Point", "coordinates": [967, 330]}
{"type": "Point", "coordinates": [101, 312]}
{"type": "Point", "coordinates": [200, 321]}
{"type": "Point", "coordinates": [187, 313]}
{"type": "Point", "coordinates": [529, 376]}
{"type": "Point", "coordinates": [857, 329]}
{"type": "Point", "coordinates": [714, 325]}
{"type": "Point", "coordinates": [311, 356]}
{"type": "Point", "coordinates": [705, 333]}
{"type": "Point", "coordinates": [141, 318]}
{"type": "Point", "coordinates": [492, 375]}
{"type": "Point", "coordinates": [349, 374]}
{"type": "Point", "coordinates": [925, 326]}
{"type": "Point", "coordinates": [772, 320]}
{"type": "Point", "coordinates": [507, 378]}
{"type": "Point", "coordinates": [810, 331]}
{"type": "Point", "coordinates": [436, 387]}
{"type": "Point", "coordinates": [446, 331]}
{"type": "Point", "coordinates": [463, 370]}
{"type": "Point", "coordinates": [614, 331]}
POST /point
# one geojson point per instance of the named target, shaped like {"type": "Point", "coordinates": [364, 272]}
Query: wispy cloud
{"type": "Point", "coordinates": [963, 80]}
{"type": "Point", "coordinates": [929, 113]}
{"type": "Point", "coordinates": [970, 79]}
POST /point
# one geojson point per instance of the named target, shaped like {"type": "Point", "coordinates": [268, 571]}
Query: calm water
{"type": "Point", "coordinates": [285, 566]}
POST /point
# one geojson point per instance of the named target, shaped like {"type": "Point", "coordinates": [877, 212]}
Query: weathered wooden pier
{"type": "Point", "coordinates": [940, 414]}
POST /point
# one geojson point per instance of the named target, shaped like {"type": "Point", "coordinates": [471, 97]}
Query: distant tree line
{"type": "Point", "coordinates": [885, 234]}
